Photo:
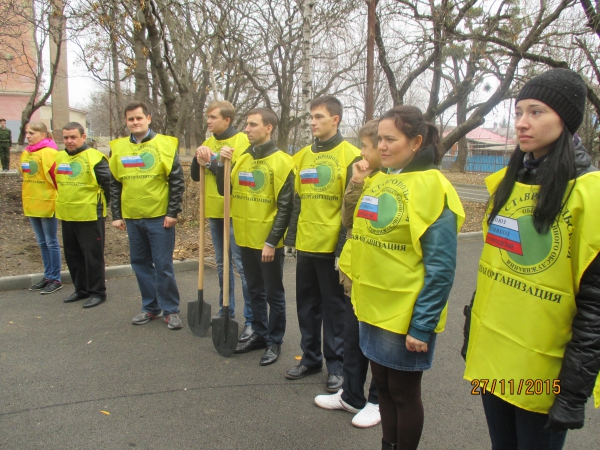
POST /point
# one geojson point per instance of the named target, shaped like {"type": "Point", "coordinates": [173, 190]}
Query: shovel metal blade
{"type": "Point", "coordinates": [225, 333]}
{"type": "Point", "coordinates": [199, 315]}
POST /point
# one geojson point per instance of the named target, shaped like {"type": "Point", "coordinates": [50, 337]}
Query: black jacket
{"type": "Point", "coordinates": [103, 176]}
{"type": "Point", "coordinates": [176, 186]}
{"type": "Point", "coordinates": [285, 200]}
{"type": "Point", "coordinates": [581, 361]}
{"type": "Point", "coordinates": [290, 238]}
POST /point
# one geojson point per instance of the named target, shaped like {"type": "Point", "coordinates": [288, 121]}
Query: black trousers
{"type": "Point", "coordinates": [320, 302]}
{"type": "Point", "coordinates": [5, 156]}
{"type": "Point", "coordinates": [356, 364]}
{"type": "Point", "coordinates": [265, 285]}
{"type": "Point", "coordinates": [83, 244]}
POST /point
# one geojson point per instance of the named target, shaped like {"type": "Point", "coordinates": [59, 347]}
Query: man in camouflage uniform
{"type": "Point", "coordinates": [5, 143]}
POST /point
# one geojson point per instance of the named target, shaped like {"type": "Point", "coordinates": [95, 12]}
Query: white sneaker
{"type": "Point", "coordinates": [367, 417]}
{"type": "Point", "coordinates": [334, 401]}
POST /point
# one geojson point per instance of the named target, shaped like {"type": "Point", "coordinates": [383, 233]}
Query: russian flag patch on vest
{"type": "Point", "coordinates": [309, 176]}
{"type": "Point", "coordinates": [368, 208]}
{"type": "Point", "coordinates": [25, 167]}
{"type": "Point", "coordinates": [504, 233]}
{"type": "Point", "coordinates": [246, 179]}
{"type": "Point", "coordinates": [64, 169]}
{"type": "Point", "coordinates": [132, 161]}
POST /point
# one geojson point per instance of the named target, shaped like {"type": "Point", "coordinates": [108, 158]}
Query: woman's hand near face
{"type": "Point", "coordinates": [415, 345]}
{"type": "Point", "coordinates": [360, 171]}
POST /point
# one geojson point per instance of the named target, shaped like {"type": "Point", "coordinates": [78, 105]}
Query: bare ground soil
{"type": "Point", "coordinates": [20, 254]}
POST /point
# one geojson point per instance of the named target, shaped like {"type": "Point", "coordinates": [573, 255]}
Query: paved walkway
{"type": "Point", "coordinates": [62, 366]}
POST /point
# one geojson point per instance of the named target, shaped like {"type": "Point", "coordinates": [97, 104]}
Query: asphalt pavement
{"type": "Point", "coordinates": [87, 379]}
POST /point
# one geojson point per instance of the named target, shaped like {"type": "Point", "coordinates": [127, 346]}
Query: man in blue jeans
{"type": "Point", "coordinates": [146, 191]}
{"type": "Point", "coordinates": [219, 119]}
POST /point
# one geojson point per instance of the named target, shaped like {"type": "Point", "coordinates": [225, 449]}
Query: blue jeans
{"type": "Point", "coordinates": [512, 427]}
{"type": "Point", "coordinates": [46, 234]}
{"type": "Point", "coordinates": [151, 248]}
{"type": "Point", "coordinates": [216, 232]}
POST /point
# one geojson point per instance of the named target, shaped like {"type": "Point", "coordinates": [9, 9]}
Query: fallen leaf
{"type": "Point", "coordinates": [106, 413]}
{"type": "Point", "coordinates": [11, 321]}
{"type": "Point", "coordinates": [297, 358]}
{"type": "Point", "coordinates": [89, 342]}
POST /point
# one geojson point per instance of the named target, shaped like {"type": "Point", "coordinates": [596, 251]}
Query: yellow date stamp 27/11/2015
{"type": "Point", "coordinates": [512, 387]}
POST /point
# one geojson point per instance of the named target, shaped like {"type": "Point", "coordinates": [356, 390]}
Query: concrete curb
{"type": "Point", "coordinates": [467, 185]}
{"type": "Point", "coordinates": [24, 281]}
{"type": "Point", "coordinates": [16, 282]}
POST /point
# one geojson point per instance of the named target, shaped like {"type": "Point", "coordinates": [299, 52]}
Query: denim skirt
{"type": "Point", "coordinates": [389, 349]}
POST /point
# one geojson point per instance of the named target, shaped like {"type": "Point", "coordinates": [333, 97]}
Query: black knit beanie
{"type": "Point", "coordinates": [562, 90]}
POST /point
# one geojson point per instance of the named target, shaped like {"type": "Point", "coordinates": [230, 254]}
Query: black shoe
{"type": "Point", "coordinates": [270, 355]}
{"type": "Point", "coordinates": [93, 301]}
{"type": "Point", "coordinates": [245, 334]}
{"type": "Point", "coordinates": [300, 371]}
{"type": "Point", "coordinates": [254, 343]}
{"type": "Point", "coordinates": [74, 297]}
{"type": "Point", "coordinates": [39, 286]}
{"type": "Point", "coordinates": [334, 383]}
{"type": "Point", "coordinates": [51, 287]}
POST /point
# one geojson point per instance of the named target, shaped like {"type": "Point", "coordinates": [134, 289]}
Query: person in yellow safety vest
{"type": "Point", "coordinates": [323, 170]}
{"type": "Point", "coordinates": [145, 198]}
{"type": "Point", "coordinates": [533, 346]}
{"type": "Point", "coordinates": [219, 119]}
{"type": "Point", "coordinates": [83, 180]}
{"type": "Point", "coordinates": [351, 397]}
{"type": "Point", "coordinates": [406, 224]}
{"type": "Point", "coordinates": [39, 197]}
{"type": "Point", "coordinates": [262, 185]}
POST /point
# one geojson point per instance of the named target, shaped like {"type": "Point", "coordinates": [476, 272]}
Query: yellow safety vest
{"type": "Point", "coordinates": [384, 257]}
{"type": "Point", "coordinates": [78, 189]}
{"type": "Point", "coordinates": [256, 186]}
{"type": "Point", "coordinates": [522, 317]}
{"type": "Point", "coordinates": [144, 170]}
{"type": "Point", "coordinates": [320, 183]}
{"type": "Point", "coordinates": [214, 201]}
{"type": "Point", "coordinates": [39, 192]}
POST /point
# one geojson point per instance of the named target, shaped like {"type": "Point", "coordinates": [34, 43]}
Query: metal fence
{"type": "Point", "coordinates": [488, 161]}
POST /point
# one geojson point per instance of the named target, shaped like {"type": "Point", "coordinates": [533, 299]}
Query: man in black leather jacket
{"type": "Point", "coordinates": [262, 184]}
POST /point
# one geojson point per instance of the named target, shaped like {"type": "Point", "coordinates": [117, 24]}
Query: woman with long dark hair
{"type": "Point", "coordinates": [401, 260]}
{"type": "Point", "coordinates": [534, 343]}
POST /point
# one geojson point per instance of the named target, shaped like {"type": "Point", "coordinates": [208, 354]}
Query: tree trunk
{"type": "Point", "coordinates": [307, 17]}
{"type": "Point", "coordinates": [463, 148]}
{"type": "Point", "coordinates": [142, 83]}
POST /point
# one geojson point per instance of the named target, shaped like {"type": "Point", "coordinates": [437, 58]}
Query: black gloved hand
{"type": "Point", "coordinates": [565, 416]}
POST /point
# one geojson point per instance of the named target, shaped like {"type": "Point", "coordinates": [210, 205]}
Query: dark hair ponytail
{"type": "Point", "coordinates": [411, 122]}
{"type": "Point", "coordinates": [553, 176]}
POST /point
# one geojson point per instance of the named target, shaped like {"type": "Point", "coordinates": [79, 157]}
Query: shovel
{"type": "Point", "coordinates": [225, 329]}
{"type": "Point", "coordinates": [198, 312]}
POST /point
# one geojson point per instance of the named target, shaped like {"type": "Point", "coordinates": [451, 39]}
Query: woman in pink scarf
{"type": "Point", "coordinates": [39, 196]}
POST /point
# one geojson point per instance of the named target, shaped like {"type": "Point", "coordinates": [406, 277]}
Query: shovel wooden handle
{"type": "Point", "coordinates": [201, 219]}
{"type": "Point", "coordinates": [226, 229]}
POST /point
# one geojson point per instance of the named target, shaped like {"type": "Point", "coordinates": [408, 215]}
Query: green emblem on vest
{"type": "Point", "coordinates": [538, 252]}
{"type": "Point", "coordinates": [387, 210]}
{"type": "Point", "coordinates": [33, 167]}
{"type": "Point", "coordinates": [148, 159]}
{"type": "Point", "coordinates": [259, 180]}
{"type": "Point", "coordinates": [76, 169]}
